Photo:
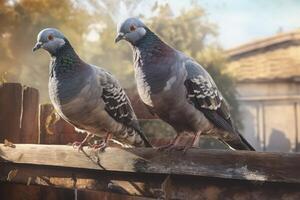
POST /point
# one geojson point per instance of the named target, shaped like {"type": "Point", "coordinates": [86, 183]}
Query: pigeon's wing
{"type": "Point", "coordinates": [118, 106]}
{"type": "Point", "coordinates": [205, 96]}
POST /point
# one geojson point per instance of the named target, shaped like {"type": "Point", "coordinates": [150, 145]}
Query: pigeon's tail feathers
{"type": "Point", "coordinates": [246, 143]}
{"type": "Point", "coordinates": [144, 139]}
{"type": "Point", "coordinates": [134, 137]}
{"type": "Point", "coordinates": [240, 144]}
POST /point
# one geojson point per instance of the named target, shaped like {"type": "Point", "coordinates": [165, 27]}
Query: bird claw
{"type": "Point", "coordinates": [164, 147]}
{"type": "Point", "coordinates": [171, 147]}
{"type": "Point", "coordinates": [99, 147]}
{"type": "Point", "coordinates": [78, 145]}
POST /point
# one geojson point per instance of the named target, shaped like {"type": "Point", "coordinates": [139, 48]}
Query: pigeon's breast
{"type": "Point", "coordinates": [64, 88]}
{"type": "Point", "coordinates": [73, 90]}
{"type": "Point", "coordinates": [143, 88]}
{"type": "Point", "coordinates": [85, 108]}
{"type": "Point", "coordinates": [151, 80]}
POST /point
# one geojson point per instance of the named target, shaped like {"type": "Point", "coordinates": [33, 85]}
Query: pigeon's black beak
{"type": "Point", "coordinates": [119, 37]}
{"type": "Point", "coordinates": [37, 46]}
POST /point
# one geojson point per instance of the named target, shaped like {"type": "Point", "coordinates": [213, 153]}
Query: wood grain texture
{"type": "Point", "coordinates": [11, 97]}
{"type": "Point", "coordinates": [199, 174]}
{"type": "Point", "coordinates": [243, 165]}
{"type": "Point", "coordinates": [30, 116]}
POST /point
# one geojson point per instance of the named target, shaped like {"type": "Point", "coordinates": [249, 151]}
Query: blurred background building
{"type": "Point", "coordinates": [268, 84]}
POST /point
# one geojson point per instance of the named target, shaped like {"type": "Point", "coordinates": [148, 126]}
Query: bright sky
{"type": "Point", "coordinates": [241, 21]}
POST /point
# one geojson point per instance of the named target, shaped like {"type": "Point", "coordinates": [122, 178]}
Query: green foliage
{"type": "Point", "coordinates": [187, 32]}
{"type": "Point", "coordinates": [20, 21]}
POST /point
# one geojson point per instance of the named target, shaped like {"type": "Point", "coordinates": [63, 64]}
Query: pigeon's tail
{"type": "Point", "coordinates": [246, 143]}
{"type": "Point", "coordinates": [146, 142]}
{"type": "Point", "coordinates": [134, 137]}
{"type": "Point", "coordinates": [240, 144]}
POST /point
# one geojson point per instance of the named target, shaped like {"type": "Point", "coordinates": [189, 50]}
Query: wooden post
{"type": "Point", "coordinates": [30, 116]}
{"type": "Point", "coordinates": [10, 111]}
{"type": "Point", "coordinates": [19, 110]}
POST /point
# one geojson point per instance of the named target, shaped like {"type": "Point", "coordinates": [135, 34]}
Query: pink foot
{"type": "Point", "coordinates": [78, 145]}
{"type": "Point", "coordinates": [164, 147]}
{"type": "Point", "coordinates": [171, 147]}
{"type": "Point", "coordinates": [100, 147]}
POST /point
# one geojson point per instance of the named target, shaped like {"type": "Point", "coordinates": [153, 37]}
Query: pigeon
{"type": "Point", "coordinates": [177, 89]}
{"type": "Point", "coordinates": [87, 96]}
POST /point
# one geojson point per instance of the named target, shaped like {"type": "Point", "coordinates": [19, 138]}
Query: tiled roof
{"type": "Point", "coordinates": [276, 57]}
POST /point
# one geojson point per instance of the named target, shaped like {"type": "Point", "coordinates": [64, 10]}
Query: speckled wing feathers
{"type": "Point", "coordinates": [205, 96]}
{"type": "Point", "coordinates": [117, 104]}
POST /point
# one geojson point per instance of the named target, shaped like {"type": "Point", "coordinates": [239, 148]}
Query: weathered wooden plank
{"type": "Point", "coordinates": [33, 192]}
{"type": "Point", "coordinates": [10, 111]}
{"type": "Point", "coordinates": [243, 165]}
{"type": "Point", "coordinates": [24, 192]}
{"type": "Point", "coordinates": [30, 116]}
{"type": "Point", "coordinates": [156, 186]}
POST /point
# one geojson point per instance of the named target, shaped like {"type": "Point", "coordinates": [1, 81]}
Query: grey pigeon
{"type": "Point", "coordinates": [87, 96]}
{"type": "Point", "coordinates": [178, 89]}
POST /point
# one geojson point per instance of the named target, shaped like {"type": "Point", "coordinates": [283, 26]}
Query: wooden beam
{"type": "Point", "coordinates": [244, 165]}
{"type": "Point", "coordinates": [8, 191]}
{"type": "Point", "coordinates": [150, 173]}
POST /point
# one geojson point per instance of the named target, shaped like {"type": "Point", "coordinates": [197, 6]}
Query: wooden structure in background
{"type": "Point", "coordinates": [39, 171]}
{"type": "Point", "coordinates": [268, 81]}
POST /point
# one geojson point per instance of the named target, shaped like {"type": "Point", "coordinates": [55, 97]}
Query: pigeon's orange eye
{"type": "Point", "coordinates": [50, 37]}
{"type": "Point", "coordinates": [132, 28]}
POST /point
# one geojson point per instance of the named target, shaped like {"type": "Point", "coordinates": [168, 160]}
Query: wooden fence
{"type": "Point", "coordinates": [38, 169]}
{"type": "Point", "coordinates": [23, 119]}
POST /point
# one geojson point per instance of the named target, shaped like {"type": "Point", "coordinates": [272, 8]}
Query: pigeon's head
{"type": "Point", "coordinates": [50, 39]}
{"type": "Point", "coordinates": [132, 30]}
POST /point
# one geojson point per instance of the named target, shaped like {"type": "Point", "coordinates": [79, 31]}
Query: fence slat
{"type": "Point", "coordinates": [10, 111]}
{"type": "Point", "coordinates": [30, 115]}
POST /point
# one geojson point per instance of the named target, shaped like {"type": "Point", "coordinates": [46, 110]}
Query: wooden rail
{"type": "Point", "coordinates": [148, 173]}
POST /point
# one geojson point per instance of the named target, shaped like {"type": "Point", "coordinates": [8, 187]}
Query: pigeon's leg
{"type": "Point", "coordinates": [171, 145]}
{"type": "Point", "coordinates": [103, 144]}
{"type": "Point", "coordinates": [80, 145]}
{"type": "Point", "coordinates": [195, 142]}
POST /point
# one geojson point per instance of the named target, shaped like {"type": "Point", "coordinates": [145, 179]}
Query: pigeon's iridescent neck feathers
{"type": "Point", "coordinates": [151, 49]}
{"type": "Point", "coordinates": [68, 74]}
{"type": "Point", "coordinates": [65, 61]}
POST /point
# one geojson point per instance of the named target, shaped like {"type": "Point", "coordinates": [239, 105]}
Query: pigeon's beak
{"type": "Point", "coordinates": [119, 37]}
{"type": "Point", "coordinates": [37, 46]}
